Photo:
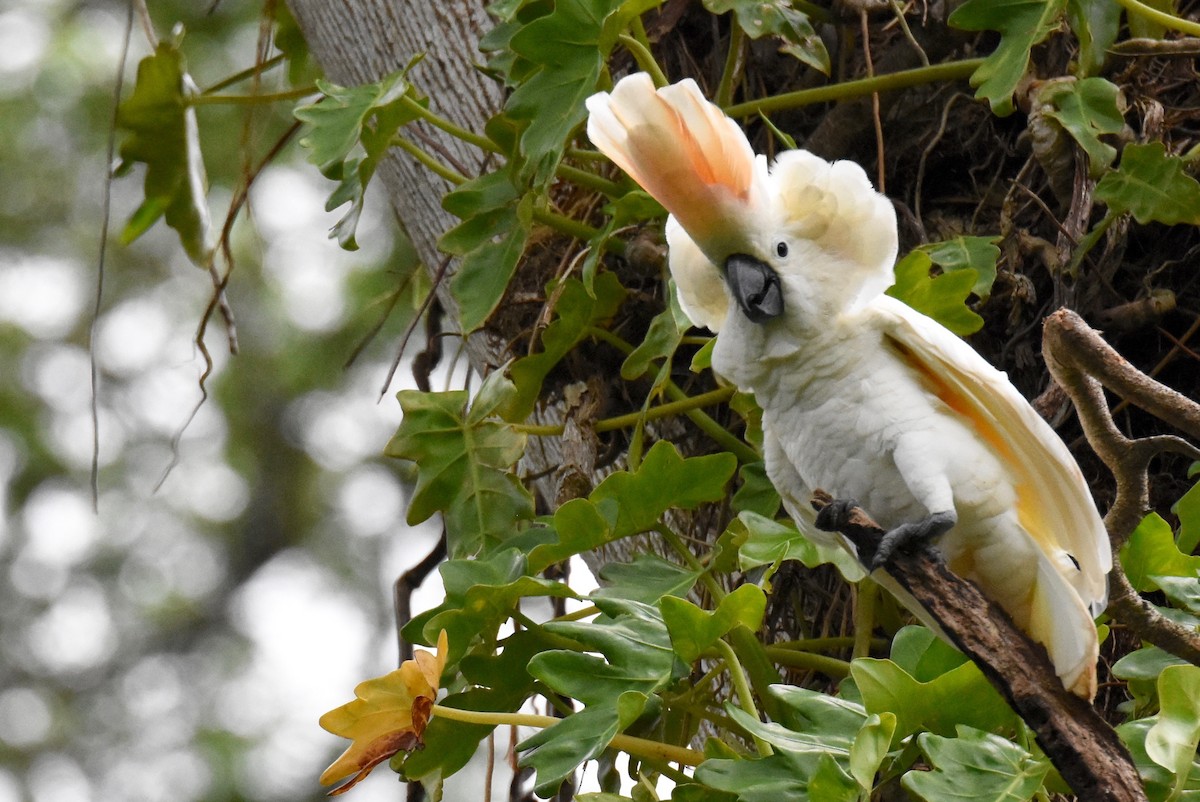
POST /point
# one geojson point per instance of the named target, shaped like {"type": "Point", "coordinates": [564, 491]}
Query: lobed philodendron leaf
{"type": "Point", "coordinates": [977, 766]}
{"type": "Point", "coordinates": [664, 480]}
{"type": "Point", "coordinates": [564, 52]}
{"type": "Point", "coordinates": [1022, 24]}
{"type": "Point", "coordinates": [812, 743]}
{"type": "Point", "coordinates": [634, 660]}
{"type": "Point", "coordinates": [496, 221]}
{"type": "Point", "coordinates": [694, 629]}
{"type": "Point", "coordinates": [463, 470]}
{"type": "Point", "coordinates": [347, 133]}
{"type": "Point", "coordinates": [942, 297]}
{"type": "Point", "coordinates": [959, 696]}
{"type": "Point", "coordinates": [967, 253]}
{"type": "Point", "coordinates": [769, 542]}
{"type": "Point", "coordinates": [647, 578]}
{"type": "Point", "coordinates": [1152, 186]}
{"type": "Point", "coordinates": [1086, 110]}
{"type": "Point", "coordinates": [482, 593]}
{"type": "Point", "coordinates": [163, 135]}
{"type": "Point", "coordinates": [778, 18]}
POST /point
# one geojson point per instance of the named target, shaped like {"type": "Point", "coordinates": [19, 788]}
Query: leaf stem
{"type": "Point", "coordinates": [456, 131]}
{"type": "Point", "coordinates": [430, 163]}
{"type": "Point", "coordinates": [644, 58]}
{"type": "Point", "coordinates": [733, 64]}
{"type": "Point", "coordinates": [792, 658]}
{"type": "Point", "coordinates": [864, 617]}
{"type": "Point", "coordinates": [631, 418]}
{"type": "Point", "coordinates": [250, 100]}
{"type": "Point", "coordinates": [1162, 18]}
{"type": "Point", "coordinates": [718, 433]}
{"type": "Point", "coordinates": [742, 686]}
{"type": "Point", "coordinates": [238, 77]}
{"type": "Point", "coordinates": [641, 747]}
{"type": "Point", "coordinates": [589, 180]}
{"type": "Point", "coordinates": [826, 644]}
{"type": "Point", "coordinates": [864, 86]}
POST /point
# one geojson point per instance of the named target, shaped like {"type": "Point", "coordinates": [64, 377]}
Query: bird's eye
{"type": "Point", "coordinates": [781, 250]}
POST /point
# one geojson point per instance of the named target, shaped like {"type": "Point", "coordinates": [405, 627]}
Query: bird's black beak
{"type": "Point", "coordinates": [755, 286]}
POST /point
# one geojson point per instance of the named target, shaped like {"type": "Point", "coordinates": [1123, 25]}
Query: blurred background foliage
{"type": "Point", "coordinates": [180, 643]}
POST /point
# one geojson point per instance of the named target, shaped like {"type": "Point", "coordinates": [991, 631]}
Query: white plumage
{"type": "Point", "coordinates": [861, 395]}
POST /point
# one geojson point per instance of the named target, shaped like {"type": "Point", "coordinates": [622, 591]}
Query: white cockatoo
{"type": "Point", "coordinates": [861, 395]}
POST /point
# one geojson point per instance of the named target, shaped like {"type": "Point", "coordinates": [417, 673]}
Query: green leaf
{"type": "Point", "coordinates": [755, 493]}
{"type": "Point", "coordinates": [1188, 510]}
{"type": "Point", "coordinates": [977, 766]}
{"type": "Point", "coordinates": [1172, 741]}
{"type": "Point", "coordinates": [636, 651]}
{"type": "Point", "coordinates": [812, 741]}
{"type": "Point", "coordinates": [577, 311]}
{"type": "Point", "coordinates": [1184, 592]}
{"type": "Point", "coordinates": [1022, 24]}
{"type": "Point", "coordinates": [1151, 552]}
{"type": "Point", "coordinates": [662, 338]}
{"type": "Point", "coordinates": [664, 480]}
{"type": "Point", "coordinates": [163, 134]}
{"type": "Point", "coordinates": [496, 221]}
{"type": "Point", "coordinates": [923, 654]}
{"type": "Point", "coordinates": [1095, 24]}
{"type": "Point", "coordinates": [647, 579]}
{"type": "Point", "coordinates": [694, 629]}
{"type": "Point", "coordinates": [959, 696]}
{"type": "Point", "coordinates": [967, 253]}
{"type": "Point", "coordinates": [780, 19]}
{"type": "Point", "coordinates": [481, 594]}
{"type": "Point", "coordinates": [1086, 109]}
{"type": "Point", "coordinates": [1160, 783]}
{"type": "Point", "coordinates": [635, 661]}
{"type": "Point", "coordinates": [941, 297]}
{"type": "Point", "coordinates": [770, 543]}
{"type": "Point", "coordinates": [463, 470]}
{"type": "Point", "coordinates": [565, 56]}
{"type": "Point", "coordinates": [780, 776]}
{"type": "Point", "coordinates": [581, 526]}
{"type": "Point", "coordinates": [347, 133]}
{"type": "Point", "coordinates": [1152, 186]}
{"type": "Point", "coordinates": [870, 747]}
{"type": "Point", "coordinates": [558, 750]}
{"type": "Point", "coordinates": [1143, 27]}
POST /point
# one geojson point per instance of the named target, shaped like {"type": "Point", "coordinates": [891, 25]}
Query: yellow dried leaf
{"type": "Point", "coordinates": [388, 715]}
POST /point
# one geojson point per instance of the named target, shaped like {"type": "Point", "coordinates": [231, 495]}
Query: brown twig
{"type": "Point", "coordinates": [1080, 361]}
{"type": "Point", "coordinates": [1081, 745]}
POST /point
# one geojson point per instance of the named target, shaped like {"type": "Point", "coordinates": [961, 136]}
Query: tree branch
{"type": "Point", "coordinates": [1083, 363]}
{"type": "Point", "coordinates": [1081, 745]}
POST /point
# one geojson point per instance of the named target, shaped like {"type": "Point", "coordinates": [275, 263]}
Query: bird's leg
{"type": "Point", "coordinates": [909, 536]}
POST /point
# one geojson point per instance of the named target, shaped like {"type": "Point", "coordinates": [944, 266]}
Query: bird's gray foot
{"type": "Point", "coordinates": [908, 537]}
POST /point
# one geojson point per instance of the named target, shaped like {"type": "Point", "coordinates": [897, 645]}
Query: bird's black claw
{"type": "Point", "coordinates": [835, 515]}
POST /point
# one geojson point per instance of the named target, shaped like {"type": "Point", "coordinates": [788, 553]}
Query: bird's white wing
{"type": "Point", "coordinates": [1053, 502]}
